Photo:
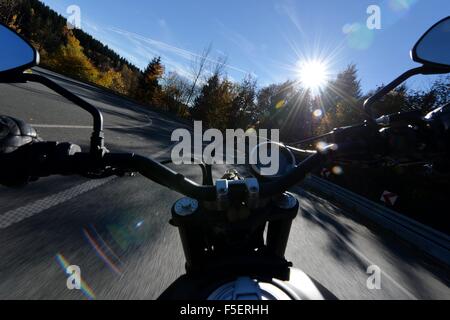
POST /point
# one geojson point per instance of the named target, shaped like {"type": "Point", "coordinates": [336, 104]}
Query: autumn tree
{"type": "Point", "coordinates": [176, 90]}
{"type": "Point", "coordinates": [130, 79]}
{"type": "Point", "coordinates": [198, 68]}
{"type": "Point", "coordinates": [341, 101]}
{"type": "Point", "coordinates": [242, 112]}
{"type": "Point", "coordinates": [265, 102]}
{"type": "Point", "coordinates": [441, 89]}
{"type": "Point", "coordinates": [427, 100]}
{"type": "Point", "coordinates": [9, 13]}
{"type": "Point", "coordinates": [393, 102]}
{"type": "Point", "coordinates": [70, 59]}
{"type": "Point", "coordinates": [213, 104]}
{"type": "Point", "coordinates": [271, 100]}
{"type": "Point", "coordinates": [149, 89]}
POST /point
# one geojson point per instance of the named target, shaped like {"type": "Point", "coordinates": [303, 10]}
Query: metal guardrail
{"type": "Point", "coordinates": [432, 242]}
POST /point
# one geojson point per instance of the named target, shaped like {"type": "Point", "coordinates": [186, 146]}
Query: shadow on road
{"type": "Point", "coordinates": [403, 257]}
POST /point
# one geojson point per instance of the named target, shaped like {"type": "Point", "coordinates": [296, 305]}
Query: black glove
{"type": "Point", "coordinates": [15, 135]}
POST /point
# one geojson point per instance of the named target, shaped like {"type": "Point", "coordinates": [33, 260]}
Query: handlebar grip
{"type": "Point", "coordinates": [37, 160]}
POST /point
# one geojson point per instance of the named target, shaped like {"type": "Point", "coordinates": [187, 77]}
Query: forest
{"type": "Point", "coordinates": [209, 95]}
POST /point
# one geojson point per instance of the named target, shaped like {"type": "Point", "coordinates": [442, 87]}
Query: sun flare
{"type": "Point", "coordinates": [313, 74]}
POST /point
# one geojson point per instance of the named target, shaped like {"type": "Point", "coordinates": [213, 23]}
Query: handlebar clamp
{"type": "Point", "coordinates": [223, 192]}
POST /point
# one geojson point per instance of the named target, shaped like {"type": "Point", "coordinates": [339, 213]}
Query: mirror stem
{"type": "Point", "coordinates": [97, 139]}
{"type": "Point", "coordinates": [394, 84]}
{"type": "Point", "coordinates": [388, 88]}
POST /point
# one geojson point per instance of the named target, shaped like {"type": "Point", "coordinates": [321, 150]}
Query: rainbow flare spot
{"type": "Point", "coordinates": [280, 104]}
{"type": "Point", "coordinates": [85, 289]}
{"type": "Point", "coordinates": [97, 247]}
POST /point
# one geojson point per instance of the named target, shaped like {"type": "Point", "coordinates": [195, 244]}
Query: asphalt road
{"type": "Point", "coordinates": [61, 221]}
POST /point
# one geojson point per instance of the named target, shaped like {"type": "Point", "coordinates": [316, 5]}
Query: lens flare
{"type": "Point", "coordinates": [313, 74]}
{"type": "Point", "coordinates": [337, 170]}
{"type": "Point", "coordinates": [359, 36]}
{"type": "Point", "coordinates": [103, 250]}
{"type": "Point", "coordinates": [318, 113]}
{"type": "Point", "coordinates": [251, 132]}
{"type": "Point", "coordinates": [280, 104]}
{"type": "Point", "coordinates": [322, 146]}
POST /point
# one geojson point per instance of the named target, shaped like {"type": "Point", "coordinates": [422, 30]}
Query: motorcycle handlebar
{"type": "Point", "coordinates": [51, 158]}
{"type": "Point", "coordinates": [163, 175]}
{"type": "Point", "coordinates": [358, 142]}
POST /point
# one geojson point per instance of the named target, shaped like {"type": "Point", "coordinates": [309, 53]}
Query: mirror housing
{"type": "Point", "coordinates": [433, 48]}
{"type": "Point", "coordinates": [16, 53]}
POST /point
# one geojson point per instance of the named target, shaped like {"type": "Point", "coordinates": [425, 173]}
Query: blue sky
{"type": "Point", "coordinates": [266, 38]}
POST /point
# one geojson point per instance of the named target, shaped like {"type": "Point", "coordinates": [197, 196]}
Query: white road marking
{"type": "Point", "coordinates": [149, 123]}
{"type": "Point", "coordinates": [59, 126]}
{"type": "Point", "coordinates": [17, 215]}
{"type": "Point", "coordinates": [370, 263]}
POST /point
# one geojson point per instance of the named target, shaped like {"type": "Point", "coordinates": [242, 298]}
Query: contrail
{"type": "Point", "coordinates": [165, 46]}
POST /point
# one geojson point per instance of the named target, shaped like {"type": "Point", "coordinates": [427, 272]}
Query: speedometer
{"type": "Point", "coordinates": [271, 160]}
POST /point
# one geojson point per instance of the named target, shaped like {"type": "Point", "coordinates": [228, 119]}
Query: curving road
{"type": "Point", "coordinates": [116, 230]}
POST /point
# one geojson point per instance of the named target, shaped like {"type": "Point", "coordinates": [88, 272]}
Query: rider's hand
{"type": "Point", "coordinates": [15, 133]}
{"type": "Point", "coordinates": [15, 136]}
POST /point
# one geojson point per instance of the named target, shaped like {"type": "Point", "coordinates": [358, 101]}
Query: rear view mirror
{"type": "Point", "coordinates": [433, 49]}
{"type": "Point", "coordinates": [16, 53]}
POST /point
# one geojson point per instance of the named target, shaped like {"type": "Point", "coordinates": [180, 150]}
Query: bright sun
{"type": "Point", "coordinates": [313, 74]}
